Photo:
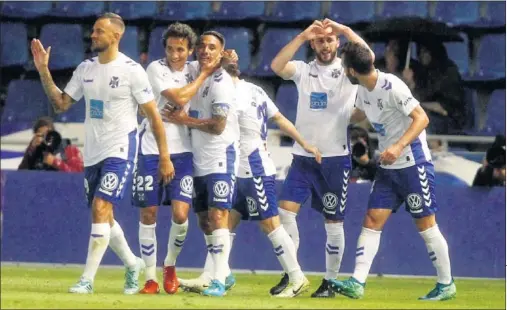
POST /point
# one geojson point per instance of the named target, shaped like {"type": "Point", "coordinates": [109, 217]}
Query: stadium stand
{"type": "Point", "coordinates": [185, 10]}
{"type": "Point", "coordinates": [133, 10]}
{"type": "Point", "coordinates": [240, 10]}
{"type": "Point", "coordinates": [73, 9]}
{"type": "Point", "coordinates": [406, 8]}
{"type": "Point", "coordinates": [13, 44]}
{"type": "Point", "coordinates": [457, 12]}
{"type": "Point", "coordinates": [67, 45]}
{"type": "Point", "coordinates": [352, 11]}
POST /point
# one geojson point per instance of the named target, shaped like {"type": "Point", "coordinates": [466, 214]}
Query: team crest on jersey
{"type": "Point", "coordinates": [189, 78]}
{"type": "Point", "coordinates": [114, 82]}
{"type": "Point", "coordinates": [335, 73]}
{"type": "Point", "coordinates": [380, 104]}
{"type": "Point", "coordinates": [205, 92]}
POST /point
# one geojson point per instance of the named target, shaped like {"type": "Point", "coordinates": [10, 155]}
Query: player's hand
{"type": "Point", "coordinates": [230, 56]}
{"type": "Point", "coordinates": [165, 170]}
{"type": "Point", "coordinates": [212, 66]}
{"type": "Point", "coordinates": [175, 117]}
{"type": "Point", "coordinates": [315, 151]}
{"type": "Point", "coordinates": [315, 30]}
{"type": "Point", "coordinates": [333, 27]}
{"type": "Point", "coordinates": [40, 55]}
{"type": "Point", "coordinates": [49, 159]}
{"type": "Point", "coordinates": [389, 155]}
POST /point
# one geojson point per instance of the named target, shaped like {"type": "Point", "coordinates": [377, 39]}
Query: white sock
{"type": "Point", "coordinates": [177, 235]}
{"type": "Point", "coordinates": [367, 248]}
{"type": "Point", "coordinates": [439, 253]}
{"type": "Point", "coordinates": [148, 245]}
{"type": "Point", "coordinates": [229, 271]}
{"type": "Point", "coordinates": [220, 250]}
{"type": "Point", "coordinates": [335, 247]}
{"type": "Point", "coordinates": [97, 246]}
{"type": "Point", "coordinates": [284, 249]}
{"type": "Point", "coordinates": [208, 265]}
{"type": "Point", "coordinates": [288, 220]}
{"type": "Point", "coordinates": [119, 245]}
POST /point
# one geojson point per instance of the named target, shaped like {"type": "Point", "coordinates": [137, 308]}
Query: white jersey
{"type": "Point", "coordinates": [112, 92]}
{"type": "Point", "coordinates": [387, 107]}
{"type": "Point", "coordinates": [215, 153]}
{"type": "Point", "coordinates": [162, 77]}
{"type": "Point", "coordinates": [255, 108]}
{"type": "Point", "coordinates": [325, 104]}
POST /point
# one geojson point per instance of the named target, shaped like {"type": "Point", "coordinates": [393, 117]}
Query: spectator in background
{"type": "Point", "coordinates": [364, 158]}
{"type": "Point", "coordinates": [395, 57]}
{"type": "Point", "coordinates": [438, 86]}
{"type": "Point", "coordinates": [492, 172]}
{"type": "Point", "coordinates": [48, 151]}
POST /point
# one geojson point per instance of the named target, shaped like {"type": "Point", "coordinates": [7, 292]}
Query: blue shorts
{"type": "Point", "coordinates": [213, 190]}
{"type": "Point", "coordinates": [255, 198]}
{"type": "Point", "coordinates": [147, 191]}
{"type": "Point", "coordinates": [326, 183]}
{"type": "Point", "coordinates": [413, 185]}
{"type": "Point", "coordinates": [108, 179]}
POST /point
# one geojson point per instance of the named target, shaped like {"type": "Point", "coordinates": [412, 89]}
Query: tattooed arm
{"type": "Point", "coordinates": [214, 125]}
{"type": "Point", "coordinates": [60, 101]}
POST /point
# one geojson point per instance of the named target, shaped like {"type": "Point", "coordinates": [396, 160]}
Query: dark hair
{"type": "Point", "coordinates": [114, 19]}
{"type": "Point", "coordinates": [357, 57]}
{"type": "Point", "coordinates": [216, 34]}
{"type": "Point", "coordinates": [232, 69]}
{"type": "Point", "coordinates": [180, 30]}
{"type": "Point", "coordinates": [44, 121]}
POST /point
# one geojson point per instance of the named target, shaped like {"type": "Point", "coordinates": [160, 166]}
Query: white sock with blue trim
{"type": "Point", "coordinates": [438, 252]}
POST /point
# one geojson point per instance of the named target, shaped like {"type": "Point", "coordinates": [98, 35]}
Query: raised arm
{"type": "Point", "coordinates": [347, 32]}
{"type": "Point", "coordinates": [281, 64]}
{"type": "Point", "coordinates": [181, 96]}
{"type": "Point", "coordinates": [60, 101]}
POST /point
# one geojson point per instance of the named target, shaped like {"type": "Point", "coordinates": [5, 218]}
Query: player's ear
{"type": "Point", "coordinates": [312, 44]}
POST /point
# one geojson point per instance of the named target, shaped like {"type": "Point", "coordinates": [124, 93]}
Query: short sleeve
{"type": "Point", "coordinates": [221, 92]}
{"type": "Point", "coordinates": [140, 85]}
{"type": "Point", "coordinates": [402, 98]}
{"type": "Point", "coordinates": [272, 109]}
{"type": "Point", "coordinates": [358, 102]}
{"type": "Point", "coordinates": [300, 66]}
{"type": "Point", "coordinates": [75, 86]}
{"type": "Point", "coordinates": [156, 77]}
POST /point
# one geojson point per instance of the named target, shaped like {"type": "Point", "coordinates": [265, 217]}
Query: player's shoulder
{"type": "Point", "coordinates": [88, 63]}
{"type": "Point", "coordinates": [221, 76]}
{"type": "Point", "coordinates": [156, 64]}
{"type": "Point", "coordinates": [391, 83]}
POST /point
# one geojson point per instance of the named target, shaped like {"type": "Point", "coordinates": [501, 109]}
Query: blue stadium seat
{"type": "Point", "coordinates": [495, 14]}
{"type": "Point", "coordinates": [471, 110]}
{"type": "Point", "coordinates": [379, 48]}
{"type": "Point", "coordinates": [458, 52]}
{"type": "Point", "coordinates": [491, 57]}
{"type": "Point", "coordinates": [289, 11]}
{"type": "Point", "coordinates": [129, 44]}
{"type": "Point", "coordinates": [287, 101]}
{"type": "Point", "coordinates": [26, 9]}
{"type": "Point", "coordinates": [13, 44]}
{"type": "Point", "coordinates": [76, 113]}
{"type": "Point", "coordinates": [77, 9]}
{"type": "Point", "coordinates": [240, 10]}
{"type": "Point", "coordinates": [349, 12]}
{"type": "Point", "coordinates": [457, 12]}
{"type": "Point", "coordinates": [239, 40]}
{"type": "Point", "coordinates": [155, 45]}
{"type": "Point", "coordinates": [404, 8]}
{"type": "Point", "coordinates": [66, 41]}
{"type": "Point", "coordinates": [272, 42]}
{"type": "Point", "coordinates": [25, 102]}
{"type": "Point", "coordinates": [495, 117]}
{"type": "Point", "coordinates": [185, 10]}
{"type": "Point", "coordinates": [134, 10]}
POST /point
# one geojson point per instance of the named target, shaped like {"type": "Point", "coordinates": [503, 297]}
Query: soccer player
{"type": "Point", "coordinates": [173, 81]}
{"type": "Point", "coordinates": [215, 132]}
{"type": "Point", "coordinates": [325, 103]}
{"type": "Point", "coordinates": [255, 186]}
{"type": "Point", "coordinates": [406, 173]}
{"type": "Point", "coordinates": [113, 85]}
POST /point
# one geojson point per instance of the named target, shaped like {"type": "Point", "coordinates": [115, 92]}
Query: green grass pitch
{"type": "Point", "coordinates": [46, 287]}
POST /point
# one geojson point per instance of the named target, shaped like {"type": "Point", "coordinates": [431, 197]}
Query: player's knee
{"type": "Point", "coordinates": [179, 215]}
{"type": "Point", "coordinates": [289, 206]}
{"type": "Point", "coordinates": [149, 215]}
{"type": "Point", "coordinates": [372, 222]}
{"type": "Point", "coordinates": [101, 210]}
{"type": "Point", "coordinates": [270, 224]}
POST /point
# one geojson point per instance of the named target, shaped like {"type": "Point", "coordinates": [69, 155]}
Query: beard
{"type": "Point", "coordinates": [353, 80]}
{"type": "Point", "coordinates": [327, 62]}
{"type": "Point", "coordinates": [98, 48]}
